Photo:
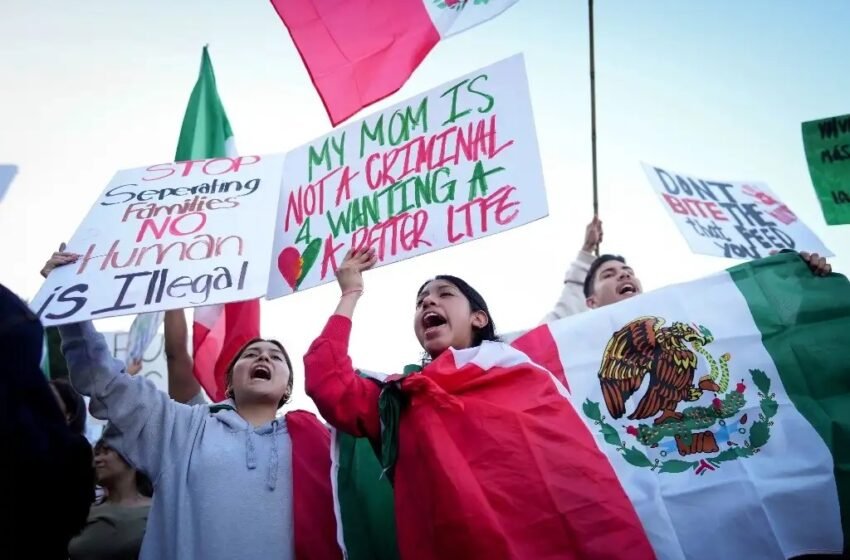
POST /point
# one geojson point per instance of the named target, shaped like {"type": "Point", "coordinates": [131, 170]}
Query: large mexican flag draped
{"type": "Point", "coordinates": [723, 406]}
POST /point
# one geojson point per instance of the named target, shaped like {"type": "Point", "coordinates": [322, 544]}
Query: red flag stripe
{"type": "Point", "coordinates": [358, 52]}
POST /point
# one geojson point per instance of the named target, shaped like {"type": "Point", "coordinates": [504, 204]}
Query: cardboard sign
{"type": "Point", "coordinates": [827, 143]}
{"type": "Point", "coordinates": [169, 236]}
{"type": "Point", "coordinates": [733, 219]}
{"type": "Point", "coordinates": [448, 166]}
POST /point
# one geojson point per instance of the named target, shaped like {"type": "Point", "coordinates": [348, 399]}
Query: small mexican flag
{"type": "Point", "coordinates": [722, 405]}
{"type": "Point", "coordinates": [218, 331]}
{"type": "Point", "coordinates": [358, 52]}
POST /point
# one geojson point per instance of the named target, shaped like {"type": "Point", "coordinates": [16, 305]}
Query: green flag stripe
{"type": "Point", "coordinates": [805, 326]}
{"type": "Point", "coordinates": [365, 502]}
{"type": "Point", "coordinates": [205, 127]}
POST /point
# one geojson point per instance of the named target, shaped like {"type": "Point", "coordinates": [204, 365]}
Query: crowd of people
{"type": "Point", "coordinates": [176, 477]}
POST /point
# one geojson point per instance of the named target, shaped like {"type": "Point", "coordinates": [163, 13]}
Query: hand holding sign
{"type": "Point", "coordinates": [58, 258]}
{"type": "Point", "coordinates": [349, 275]}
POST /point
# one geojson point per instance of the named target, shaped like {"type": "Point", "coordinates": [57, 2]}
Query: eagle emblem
{"type": "Point", "coordinates": [713, 429]}
{"type": "Point", "coordinates": [643, 347]}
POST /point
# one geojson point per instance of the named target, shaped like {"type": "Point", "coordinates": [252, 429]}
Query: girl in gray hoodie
{"type": "Point", "coordinates": [223, 474]}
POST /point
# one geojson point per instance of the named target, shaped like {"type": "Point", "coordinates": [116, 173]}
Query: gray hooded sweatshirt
{"type": "Point", "coordinates": [222, 488]}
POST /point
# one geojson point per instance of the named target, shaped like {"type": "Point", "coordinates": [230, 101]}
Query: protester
{"type": "Point", "coordinates": [224, 474]}
{"type": "Point", "coordinates": [611, 280]}
{"type": "Point", "coordinates": [46, 475]}
{"type": "Point", "coordinates": [116, 526]}
{"type": "Point", "coordinates": [573, 299]}
{"type": "Point", "coordinates": [479, 444]}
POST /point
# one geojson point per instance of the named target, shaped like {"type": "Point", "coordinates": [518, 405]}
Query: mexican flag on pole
{"type": "Point", "coordinates": [218, 331]}
{"type": "Point", "coordinates": [358, 52]}
{"type": "Point", "coordinates": [722, 405]}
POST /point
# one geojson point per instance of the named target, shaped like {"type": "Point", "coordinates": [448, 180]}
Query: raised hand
{"type": "Point", "coordinates": [817, 263]}
{"type": "Point", "coordinates": [59, 258]}
{"type": "Point", "coordinates": [134, 367]}
{"type": "Point", "coordinates": [350, 278]}
{"type": "Point", "coordinates": [350, 272]}
{"type": "Point", "coordinates": [592, 235]}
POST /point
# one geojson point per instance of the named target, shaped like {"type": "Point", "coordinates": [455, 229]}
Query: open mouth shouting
{"type": "Point", "coordinates": [627, 289]}
{"type": "Point", "coordinates": [432, 322]}
{"type": "Point", "coordinates": [261, 371]}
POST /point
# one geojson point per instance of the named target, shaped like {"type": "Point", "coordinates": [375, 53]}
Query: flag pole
{"type": "Point", "coordinates": [593, 115]}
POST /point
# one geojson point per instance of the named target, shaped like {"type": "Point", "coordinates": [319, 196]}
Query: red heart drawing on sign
{"type": "Point", "coordinates": [294, 265]}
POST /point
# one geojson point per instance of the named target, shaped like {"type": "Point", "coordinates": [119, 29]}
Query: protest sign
{"type": "Point", "coordinates": [827, 143]}
{"type": "Point", "coordinates": [733, 219]}
{"type": "Point", "coordinates": [454, 164]}
{"type": "Point", "coordinates": [169, 236]}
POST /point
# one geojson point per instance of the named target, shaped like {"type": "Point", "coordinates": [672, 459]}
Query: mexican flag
{"type": "Point", "coordinates": [358, 52]}
{"type": "Point", "coordinates": [218, 331]}
{"type": "Point", "coordinates": [722, 405]}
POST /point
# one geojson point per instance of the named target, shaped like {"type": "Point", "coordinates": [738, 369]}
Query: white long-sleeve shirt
{"type": "Point", "coordinates": [572, 298]}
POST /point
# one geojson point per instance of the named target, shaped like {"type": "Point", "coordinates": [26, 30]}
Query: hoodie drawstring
{"type": "Point", "coordinates": [250, 452]}
{"type": "Point", "coordinates": [274, 459]}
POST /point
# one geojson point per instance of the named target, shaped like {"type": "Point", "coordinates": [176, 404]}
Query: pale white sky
{"type": "Point", "coordinates": [717, 89]}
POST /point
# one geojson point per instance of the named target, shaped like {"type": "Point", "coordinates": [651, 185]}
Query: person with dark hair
{"type": "Point", "coordinates": [434, 341]}
{"type": "Point", "coordinates": [116, 525]}
{"type": "Point", "coordinates": [46, 475]}
{"type": "Point", "coordinates": [610, 280]}
{"type": "Point", "coordinates": [595, 282]}
{"type": "Point", "coordinates": [223, 474]}
{"type": "Point", "coordinates": [71, 404]}
{"type": "Point", "coordinates": [486, 456]}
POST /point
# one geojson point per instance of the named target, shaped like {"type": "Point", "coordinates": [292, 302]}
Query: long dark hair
{"type": "Point", "coordinates": [74, 405]}
{"type": "Point", "coordinates": [476, 303]}
{"type": "Point", "coordinates": [229, 379]}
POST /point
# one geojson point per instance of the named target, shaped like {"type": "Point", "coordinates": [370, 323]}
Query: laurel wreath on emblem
{"type": "Point", "coordinates": [456, 4]}
{"type": "Point", "coordinates": [695, 418]}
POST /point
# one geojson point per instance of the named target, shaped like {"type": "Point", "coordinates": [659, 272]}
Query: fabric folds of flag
{"type": "Point", "coordinates": [218, 331]}
{"type": "Point", "coordinates": [358, 52]}
{"type": "Point", "coordinates": [492, 462]}
{"type": "Point", "coordinates": [756, 466]}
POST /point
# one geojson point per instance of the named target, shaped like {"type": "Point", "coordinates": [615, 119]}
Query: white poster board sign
{"type": "Point", "coordinates": [169, 236]}
{"type": "Point", "coordinates": [733, 219]}
{"type": "Point", "coordinates": [456, 163]}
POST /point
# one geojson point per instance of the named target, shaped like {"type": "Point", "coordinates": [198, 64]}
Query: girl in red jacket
{"type": "Point", "coordinates": [487, 457]}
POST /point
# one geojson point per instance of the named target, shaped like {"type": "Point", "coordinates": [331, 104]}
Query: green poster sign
{"type": "Point", "coordinates": [827, 143]}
